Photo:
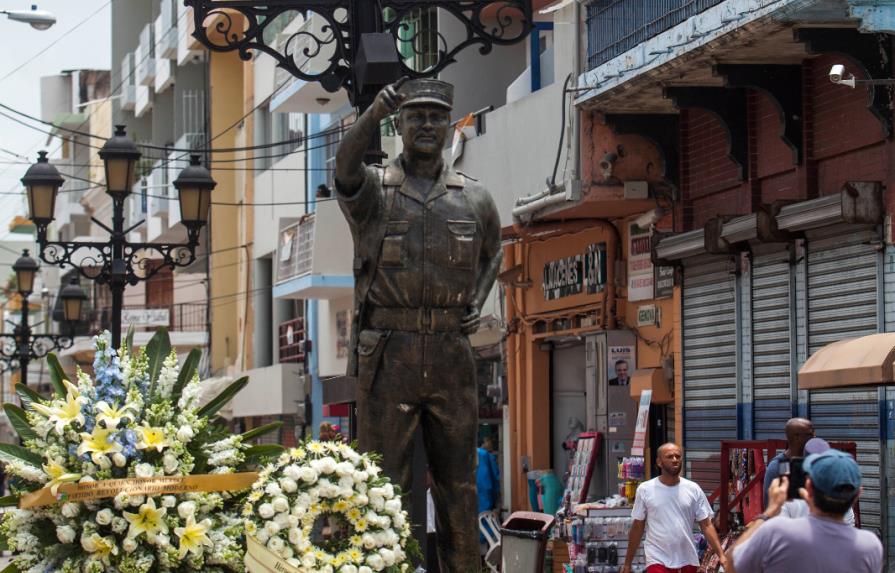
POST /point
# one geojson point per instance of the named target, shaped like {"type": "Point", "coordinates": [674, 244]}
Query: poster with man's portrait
{"type": "Point", "coordinates": [621, 365]}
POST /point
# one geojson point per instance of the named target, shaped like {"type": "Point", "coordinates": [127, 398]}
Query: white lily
{"type": "Point", "coordinates": [112, 416]}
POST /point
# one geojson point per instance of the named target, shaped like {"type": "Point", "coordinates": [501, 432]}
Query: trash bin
{"type": "Point", "coordinates": [524, 541]}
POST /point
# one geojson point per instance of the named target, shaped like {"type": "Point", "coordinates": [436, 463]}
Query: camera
{"type": "Point", "coordinates": [792, 469]}
{"type": "Point", "coordinates": [836, 73]}
{"type": "Point", "coordinates": [837, 76]}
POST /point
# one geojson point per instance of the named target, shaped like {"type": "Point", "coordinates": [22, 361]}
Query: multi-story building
{"type": "Point", "coordinates": [159, 93]}
{"type": "Point", "coordinates": [776, 182]}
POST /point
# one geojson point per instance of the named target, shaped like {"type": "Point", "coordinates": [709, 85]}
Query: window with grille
{"type": "Point", "coordinates": [417, 37]}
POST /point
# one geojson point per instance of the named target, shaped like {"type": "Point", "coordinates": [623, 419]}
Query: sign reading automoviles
{"type": "Point", "coordinates": [583, 273]}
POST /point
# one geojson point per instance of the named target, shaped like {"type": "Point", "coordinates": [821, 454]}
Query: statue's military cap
{"type": "Point", "coordinates": [428, 92]}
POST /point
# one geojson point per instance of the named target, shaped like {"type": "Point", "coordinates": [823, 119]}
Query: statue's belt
{"type": "Point", "coordinates": [424, 320]}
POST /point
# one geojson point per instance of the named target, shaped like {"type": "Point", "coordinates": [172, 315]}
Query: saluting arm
{"type": "Point", "coordinates": [350, 155]}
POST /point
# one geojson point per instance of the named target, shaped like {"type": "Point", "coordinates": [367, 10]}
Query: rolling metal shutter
{"type": "Point", "coordinates": [709, 364]}
{"type": "Point", "coordinates": [842, 289]}
{"type": "Point", "coordinates": [852, 415]}
{"type": "Point", "coordinates": [842, 284]}
{"type": "Point", "coordinates": [771, 381]}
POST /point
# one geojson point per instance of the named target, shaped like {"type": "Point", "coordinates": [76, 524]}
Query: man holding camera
{"type": "Point", "coordinates": [821, 542]}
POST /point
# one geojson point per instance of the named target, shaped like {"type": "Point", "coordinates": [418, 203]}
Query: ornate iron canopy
{"type": "Point", "coordinates": [327, 53]}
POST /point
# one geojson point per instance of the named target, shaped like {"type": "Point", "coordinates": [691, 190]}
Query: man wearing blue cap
{"type": "Point", "coordinates": [821, 542]}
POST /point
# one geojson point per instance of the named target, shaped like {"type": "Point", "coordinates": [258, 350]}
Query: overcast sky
{"type": "Point", "coordinates": [89, 46]}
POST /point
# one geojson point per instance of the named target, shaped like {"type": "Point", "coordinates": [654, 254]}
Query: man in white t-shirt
{"type": "Point", "coordinates": [667, 507]}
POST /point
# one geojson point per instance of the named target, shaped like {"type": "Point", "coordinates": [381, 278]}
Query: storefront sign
{"type": "Point", "coordinates": [664, 282]}
{"type": "Point", "coordinates": [648, 315]}
{"type": "Point", "coordinates": [640, 264]}
{"type": "Point", "coordinates": [146, 317]}
{"type": "Point", "coordinates": [576, 274]}
{"type": "Point", "coordinates": [595, 268]}
{"type": "Point", "coordinates": [642, 419]}
{"type": "Point", "coordinates": [562, 278]}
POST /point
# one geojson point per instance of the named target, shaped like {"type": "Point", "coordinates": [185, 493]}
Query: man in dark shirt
{"type": "Point", "coordinates": [798, 432]}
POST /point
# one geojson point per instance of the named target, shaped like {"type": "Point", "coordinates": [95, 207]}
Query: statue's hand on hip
{"type": "Point", "coordinates": [388, 100]}
{"type": "Point", "coordinates": [471, 321]}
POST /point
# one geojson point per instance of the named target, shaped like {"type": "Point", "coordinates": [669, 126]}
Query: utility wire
{"type": "Point", "coordinates": [54, 42]}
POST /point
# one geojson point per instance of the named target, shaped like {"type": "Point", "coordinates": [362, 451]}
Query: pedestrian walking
{"type": "Point", "coordinates": [666, 508]}
{"type": "Point", "coordinates": [822, 542]}
{"type": "Point", "coordinates": [798, 432]}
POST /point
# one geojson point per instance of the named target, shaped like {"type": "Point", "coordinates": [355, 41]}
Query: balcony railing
{"type": "Point", "coordinates": [184, 317]}
{"type": "Point", "coordinates": [616, 26]}
{"type": "Point", "coordinates": [293, 344]}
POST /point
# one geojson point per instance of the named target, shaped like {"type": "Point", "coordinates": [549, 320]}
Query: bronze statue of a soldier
{"type": "Point", "coordinates": [427, 252]}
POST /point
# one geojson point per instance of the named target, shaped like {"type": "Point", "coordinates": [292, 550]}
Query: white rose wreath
{"type": "Point", "coordinates": [323, 507]}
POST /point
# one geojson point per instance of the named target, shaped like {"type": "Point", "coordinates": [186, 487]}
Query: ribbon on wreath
{"type": "Point", "coordinates": [161, 485]}
{"type": "Point", "coordinates": [260, 559]}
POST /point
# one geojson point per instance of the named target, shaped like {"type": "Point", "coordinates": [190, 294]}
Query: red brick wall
{"type": "Point", "coordinates": [704, 147]}
{"type": "Point", "coordinates": [843, 141]}
{"type": "Point", "coordinates": [842, 121]}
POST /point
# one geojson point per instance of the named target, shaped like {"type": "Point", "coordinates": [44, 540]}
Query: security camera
{"type": "Point", "coordinates": [608, 160]}
{"type": "Point", "coordinates": [837, 74]}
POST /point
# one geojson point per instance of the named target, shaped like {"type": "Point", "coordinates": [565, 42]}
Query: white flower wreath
{"type": "Point", "coordinates": [323, 507]}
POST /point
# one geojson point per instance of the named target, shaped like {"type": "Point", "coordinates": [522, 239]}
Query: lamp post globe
{"type": "Point", "coordinates": [25, 268]}
{"type": "Point", "coordinates": [194, 186]}
{"type": "Point", "coordinates": [73, 297]}
{"type": "Point", "coordinates": [42, 182]}
{"type": "Point", "coordinates": [120, 156]}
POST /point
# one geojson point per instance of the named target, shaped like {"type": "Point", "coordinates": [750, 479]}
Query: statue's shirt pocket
{"type": "Point", "coordinates": [462, 243]}
{"type": "Point", "coordinates": [394, 245]}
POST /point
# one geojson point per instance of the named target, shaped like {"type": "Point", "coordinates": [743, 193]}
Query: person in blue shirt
{"type": "Point", "coordinates": [798, 432]}
{"type": "Point", "coordinates": [487, 477]}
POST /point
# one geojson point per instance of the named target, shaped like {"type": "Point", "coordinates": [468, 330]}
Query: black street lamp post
{"type": "Point", "coordinates": [18, 349]}
{"type": "Point", "coordinates": [119, 262]}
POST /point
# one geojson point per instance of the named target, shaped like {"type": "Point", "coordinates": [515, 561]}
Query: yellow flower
{"type": "Point", "coordinates": [361, 525]}
{"type": "Point", "coordinates": [340, 506]}
{"type": "Point", "coordinates": [353, 514]}
{"type": "Point", "coordinates": [62, 412]}
{"type": "Point", "coordinates": [151, 438]}
{"type": "Point", "coordinates": [251, 528]}
{"type": "Point", "coordinates": [112, 416]}
{"type": "Point", "coordinates": [297, 454]}
{"type": "Point", "coordinates": [316, 448]}
{"type": "Point", "coordinates": [355, 555]}
{"type": "Point", "coordinates": [338, 560]}
{"type": "Point", "coordinates": [98, 443]}
{"type": "Point", "coordinates": [256, 495]}
{"type": "Point", "coordinates": [321, 556]}
{"type": "Point", "coordinates": [193, 537]}
{"type": "Point", "coordinates": [148, 520]}
{"type": "Point", "coordinates": [58, 476]}
{"type": "Point", "coordinates": [355, 541]}
{"type": "Point", "coordinates": [104, 548]}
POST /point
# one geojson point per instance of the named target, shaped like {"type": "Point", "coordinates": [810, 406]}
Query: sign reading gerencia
{"type": "Point", "coordinates": [582, 273]}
